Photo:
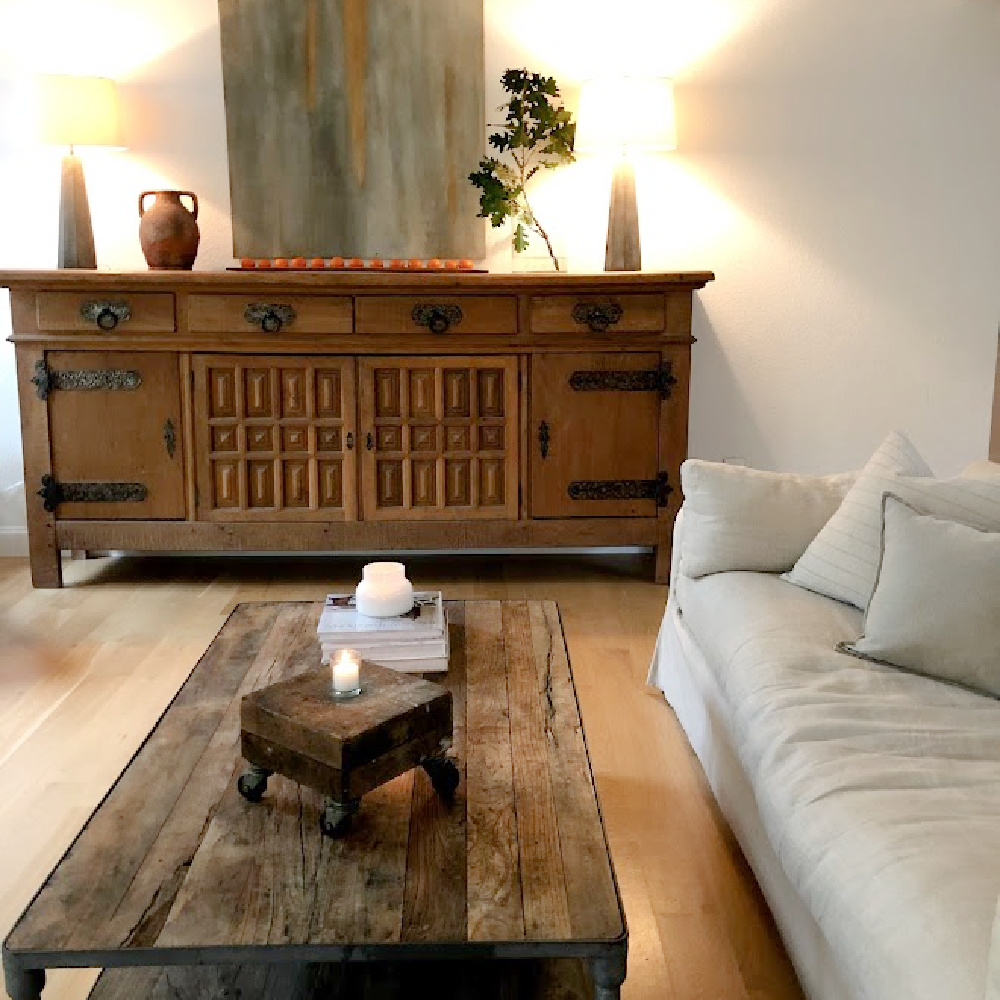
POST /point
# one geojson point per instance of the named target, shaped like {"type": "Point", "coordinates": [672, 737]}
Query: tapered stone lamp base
{"type": "Point", "coordinates": [622, 252]}
{"type": "Point", "coordinates": [76, 235]}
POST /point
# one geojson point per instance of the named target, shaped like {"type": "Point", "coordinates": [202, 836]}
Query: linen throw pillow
{"type": "Point", "coordinates": [840, 561]}
{"type": "Point", "coordinates": [737, 518]}
{"type": "Point", "coordinates": [936, 604]}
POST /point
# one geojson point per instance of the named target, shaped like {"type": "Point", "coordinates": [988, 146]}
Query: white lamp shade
{"type": "Point", "coordinates": [78, 111]}
{"type": "Point", "coordinates": [632, 112]}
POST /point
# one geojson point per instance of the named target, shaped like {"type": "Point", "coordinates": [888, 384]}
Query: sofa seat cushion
{"type": "Point", "coordinates": [879, 788]}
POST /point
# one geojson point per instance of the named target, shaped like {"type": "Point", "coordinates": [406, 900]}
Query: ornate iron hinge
{"type": "Point", "coordinates": [54, 493]}
{"type": "Point", "coordinates": [660, 380]}
{"type": "Point", "coordinates": [437, 317]}
{"type": "Point", "coordinates": [47, 381]}
{"type": "Point", "coordinates": [658, 489]}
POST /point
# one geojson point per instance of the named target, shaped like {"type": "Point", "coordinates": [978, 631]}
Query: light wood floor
{"type": "Point", "coordinates": [86, 671]}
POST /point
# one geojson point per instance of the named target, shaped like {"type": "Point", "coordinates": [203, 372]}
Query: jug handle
{"type": "Point", "coordinates": [194, 199]}
{"type": "Point", "coordinates": [142, 198]}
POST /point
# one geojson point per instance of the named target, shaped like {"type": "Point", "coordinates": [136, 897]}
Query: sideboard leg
{"type": "Point", "coordinates": [23, 984]}
{"type": "Point", "coordinates": [609, 973]}
{"type": "Point", "coordinates": [663, 562]}
{"type": "Point", "coordinates": [44, 558]}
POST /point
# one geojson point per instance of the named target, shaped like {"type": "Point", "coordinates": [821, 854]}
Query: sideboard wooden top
{"type": "Point", "coordinates": [350, 281]}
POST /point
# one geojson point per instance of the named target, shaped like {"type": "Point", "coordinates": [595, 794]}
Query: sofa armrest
{"type": "Point", "coordinates": [675, 547]}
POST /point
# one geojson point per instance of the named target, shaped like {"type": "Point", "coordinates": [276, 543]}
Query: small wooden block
{"type": "Point", "coordinates": [345, 748]}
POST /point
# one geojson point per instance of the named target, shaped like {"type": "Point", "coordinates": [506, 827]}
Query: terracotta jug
{"type": "Point", "coordinates": [168, 232]}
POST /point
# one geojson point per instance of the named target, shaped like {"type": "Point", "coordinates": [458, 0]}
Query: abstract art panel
{"type": "Point", "coordinates": [352, 126]}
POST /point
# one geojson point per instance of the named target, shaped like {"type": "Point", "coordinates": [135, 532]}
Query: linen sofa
{"type": "Point", "coordinates": [866, 798]}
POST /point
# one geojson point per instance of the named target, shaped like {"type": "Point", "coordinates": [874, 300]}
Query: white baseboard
{"type": "Point", "coordinates": [13, 541]}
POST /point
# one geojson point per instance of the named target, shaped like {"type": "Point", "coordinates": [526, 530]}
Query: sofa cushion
{"type": "Point", "coordinates": [936, 603]}
{"type": "Point", "coordinates": [747, 519]}
{"type": "Point", "coordinates": [877, 787]}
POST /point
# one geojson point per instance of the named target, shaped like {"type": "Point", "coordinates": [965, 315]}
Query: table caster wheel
{"type": "Point", "coordinates": [253, 783]}
{"type": "Point", "coordinates": [335, 819]}
{"type": "Point", "coordinates": [444, 775]}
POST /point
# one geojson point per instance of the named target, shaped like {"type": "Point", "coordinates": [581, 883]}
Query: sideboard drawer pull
{"type": "Point", "coordinates": [106, 314]}
{"type": "Point", "coordinates": [270, 316]}
{"type": "Point", "coordinates": [437, 318]}
{"type": "Point", "coordinates": [598, 316]}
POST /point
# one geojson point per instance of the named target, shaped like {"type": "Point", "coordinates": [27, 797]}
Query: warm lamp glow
{"type": "Point", "coordinates": [78, 111]}
{"type": "Point", "coordinates": [631, 112]}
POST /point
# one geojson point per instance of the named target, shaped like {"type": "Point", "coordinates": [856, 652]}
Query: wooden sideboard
{"type": "Point", "coordinates": [325, 411]}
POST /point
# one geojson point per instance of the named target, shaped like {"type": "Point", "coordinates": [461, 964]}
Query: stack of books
{"type": "Point", "coordinates": [415, 643]}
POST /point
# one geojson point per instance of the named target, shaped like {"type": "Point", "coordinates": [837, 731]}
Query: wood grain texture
{"type": "Point", "coordinates": [185, 865]}
{"type": "Point", "coordinates": [151, 312]}
{"type": "Point", "coordinates": [125, 430]}
{"type": "Point", "coordinates": [375, 114]}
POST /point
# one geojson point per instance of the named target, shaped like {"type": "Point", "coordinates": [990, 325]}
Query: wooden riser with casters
{"type": "Point", "coordinates": [318, 411]}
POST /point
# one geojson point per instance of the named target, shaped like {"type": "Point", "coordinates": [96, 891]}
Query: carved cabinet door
{"type": "Point", "coordinates": [275, 437]}
{"type": "Point", "coordinates": [115, 427]}
{"type": "Point", "coordinates": [440, 438]}
{"type": "Point", "coordinates": [594, 434]}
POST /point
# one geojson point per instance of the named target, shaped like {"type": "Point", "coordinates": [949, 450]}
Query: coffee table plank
{"type": "Point", "coordinates": [543, 880]}
{"type": "Point", "coordinates": [590, 887]}
{"type": "Point", "coordinates": [434, 906]}
{"type": "Point", "coordinates": [70, 904]}
{"type": "Point", "coordinates": [140, 916]}
{"type": "Point", "coordinates": [494, 874]}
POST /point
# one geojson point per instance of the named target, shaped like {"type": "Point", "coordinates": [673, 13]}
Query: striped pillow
{"type": "Point", "coordinates": [841, 560]}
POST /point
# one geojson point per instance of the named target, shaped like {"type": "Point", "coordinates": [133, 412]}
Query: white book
{"type": "Point", "coordinates": [405, 664]}
{"type": "Point", "coordinates": [378, 653]}
{"type": "Point", "coordinates": [340, 622]}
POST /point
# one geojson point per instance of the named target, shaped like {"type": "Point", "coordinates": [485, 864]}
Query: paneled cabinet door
{"type": "Point", "coordinates": [275, 438]}
{"type": "Point", "coordinates": [440, 438]}
{"type": "Point", "coordinates": [115, 427]}
{"type": "Point", "coordinates": [594, 432]}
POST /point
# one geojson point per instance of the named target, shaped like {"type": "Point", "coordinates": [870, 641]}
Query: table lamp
{"type": "Point", "coordinates": [77, 111]}
{"type": "Point", "coordinates": [625, 115]}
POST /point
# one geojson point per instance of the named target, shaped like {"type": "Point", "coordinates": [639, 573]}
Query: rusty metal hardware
{"type": "Point", "coordinates": [170, 437]}
{"type": "Point", "coordinates": [660, 380]}
{"type": "Point", "coordinates": [598, 316]}
{"type": "Point", "coordinates": [658, 489]}
{"type": "Point", "coordinates": [46, 380]}
{"type": "Point", "coordinates": [349, 440]}
{"type": "Point", "coordinates": [269, 316]}
{"type": "Point", "coordinates": [54, 493]}
{"type": "Point", "coordinates": [437, 317]}
{"type": "Point", "coordinates": [543, 439]}
{"type": "Point", "coordinates": [105, 313]}
{"type": "Point", "coordinates": [369, 441]}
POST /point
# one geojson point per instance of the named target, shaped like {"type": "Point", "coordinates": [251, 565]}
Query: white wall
{"type": "Point", "coordinates": [839, 170]}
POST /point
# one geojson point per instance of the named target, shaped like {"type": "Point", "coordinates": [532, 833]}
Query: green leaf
{"type": "Point", "coordinates": [520, 239]}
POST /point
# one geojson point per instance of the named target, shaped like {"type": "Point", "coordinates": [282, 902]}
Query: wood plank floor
{"type": "Point", "coordinates": [86, 671]}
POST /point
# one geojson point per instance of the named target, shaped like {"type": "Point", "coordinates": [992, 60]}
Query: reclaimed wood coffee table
{"type": "Point", "coordinates": [177, 886]}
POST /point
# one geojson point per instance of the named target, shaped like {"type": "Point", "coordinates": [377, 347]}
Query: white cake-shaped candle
{"type": "Point", "coordinates": [384, 591]}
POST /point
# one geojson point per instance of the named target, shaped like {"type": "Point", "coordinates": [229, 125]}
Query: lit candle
{"type": "Point", "coordinates": [346, 672]}
{"type": "Point", "coordinates": [384, 591]}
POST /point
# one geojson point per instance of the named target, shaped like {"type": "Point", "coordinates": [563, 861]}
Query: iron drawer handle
{"type": "Point", "coordinates": [271, 316]}
{"type": "Point", "coordinates": [543, 439]}
{"type": "Point", "coordinates": [369, 441]}
{"type": "Point", "coordinates": [437, 318]}
{"type": "Point", "coordinates": [350, 440]}
{"type": "Point", "coordinates": [597, 315]}
{"type": "Point", "coordinates": [107, 315]}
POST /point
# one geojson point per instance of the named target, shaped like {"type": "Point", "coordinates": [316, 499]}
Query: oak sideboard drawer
{"type": "Point", "coordinates": [270, 313]}
{"type": "Point", "coordinates": [436, 314]}
{"type": "Point", "coordinates": [597, 313]}
{"type": "Point", "coordinates": [82, 312]}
